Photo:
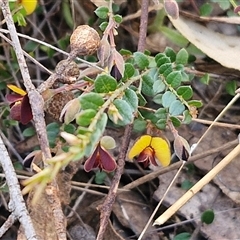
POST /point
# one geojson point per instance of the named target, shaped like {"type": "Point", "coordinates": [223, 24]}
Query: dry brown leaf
{"type": "Point", "coordinates": [132, 213]}
{"type": "Point", "coordinates": [228, 179]}
{"type": "Point", "coordinates": [223, 49]}
{"type": "Point", "coordinates": [226, 220]}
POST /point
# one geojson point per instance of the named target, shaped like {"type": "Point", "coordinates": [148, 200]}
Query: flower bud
{"type": "Point", "coordinates": [171, 8]}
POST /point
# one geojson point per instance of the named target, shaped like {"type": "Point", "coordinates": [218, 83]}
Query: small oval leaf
{"type": "Point", "coordinates": [176, 108]}
{"type": "Point", "coordinates": [85, 117]}
{"type": "Point", "coordinates": [91, 101]}
{"type": "Point", "coordinates": [182, 57]}
{"type": "Point", "coordinates": [131, 98]}
{"type": "Point", "coordinates": [174, 79]}
{"type": "Point", "coordinates": [167, 99]}
{"type": "Point", "coordinates": [129, 71]}
{"type": "Point", "coordinates": [185, 92]}
{"type": "Point", "coordinates": [124, 110]}
{"type": "Point", "coordinates": [147, 85]}
{"type": "Point", "coordinates": [105, 84]}
{"type": "Point", "coordinates": [102, 12]}
{"type": "Point", "coordinates": [170, 53]}
{"type": "Point", "coordinates": [141, 60]}
{"type": "Point", "coordinates": [208, 216]}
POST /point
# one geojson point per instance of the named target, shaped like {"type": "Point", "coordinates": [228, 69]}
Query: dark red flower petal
{"type": "Point", "coordinates": [12, 98]}
{"type": "Point", "coordinates": [26, 111]}
{"type": "Point", "coordinates": [115, 73]}
{"type": "Point", "coordinates": [15, 111]}
{"type": "Point", "coordinates": [92, 161]}
{"type": "Point", "coordinates": [107, 163]}
{"type": "Point", "coordinates": [147, 156]}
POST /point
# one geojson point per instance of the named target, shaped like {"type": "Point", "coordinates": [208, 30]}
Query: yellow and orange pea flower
{"type": "Point", "coordinates": [28, 5]}
{"type": "Point", "coordinates": [20, 109]}
{"type": "Point", "coordinates": [100, 159]}
{"type": "Point", "coordinates": [148, 149]}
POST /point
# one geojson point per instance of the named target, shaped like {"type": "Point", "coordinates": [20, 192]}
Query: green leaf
{"type": "Point", "coordinates": [131, 98]}
{"type": "Point", "coordinates": [139, 125]}
{"type": "Point", "coordinates": [103, 26]}
{"type": "Point", "coordinates": [167, 98]}
{"type": "Point", "coordinates": [100, 177]}
{"type": "Point", "coordinates": [67, 13]}
{"type": "Point", "coordinates": [158, 99]}
{"type": "Point", "coordinates": [186, 77]}
{"type": "Point", "coordinates": [124, 110]}
{"type": "Point", "coordinates": [141, 99]}
{"type": "Point", "coordinates": [187, 118]}
{"type": "Point", "coordinates": [158, 56]}
{"type": "Point", "coordinates": [29, 132]}
{"type": "Point", "coordinates": [163, 60]}
{"type": "Point", "coordinates": [170, 53]}
{"type": "Point", "coordinates": [63, 43]}
{"type": "Point", "coordinates": [161, 113]}
{"type": "Point", "coordinates": [182, 57]}
{"type": "Point", "coordinates": [186, 184]}
{"type": "Point", "coordinates": [183, 236]}
{"type": "Point", "coordinates": [223, 4]}
{"type": "Point", "coordinates": [179, 67]}
{"type": "Point", "coordinates": [185, 92]}
{"type": "Point", "coordinates": [205, 78]}
{"type": "Point", "coordinates": [161, 124]}
{"type": "Point", "coordinates": [147, 85]}
{"type": "Point", "coordinates": [175, 121]}
{"type": "Point", "coordinates": [231, 87]}
{"type": "Point", "coordinates": [91, 101]}
{"type": "Point", "coordinates": [174, 79]}
{"type": "Point", "coordinates": [30, 46]}
{"type": "Point", "coordinates": [158, 86]}
{"type": "Point", "coordinates": [165, 69]}
{"type": "Point", "coordinates": [141, 60]}
{"type": "Point", "coordinates": [129, 71]}
{"type": "Point", "coordinates": [176, 108]}
{"type": "Point", "coordinates": [105, 84]}
{"type": "Point", "coordinates": [195, 103]}
{"type": "Point", "coordinates": [96, 134]}
{"type": "Point", "coordinates": [117, 18]}
{"type": "Point", "coordinates": [102, 12]}
{"type": "Point", "coordinates": [208, 216]}
{"type": "Point", "coordinates": [85, 117]}
{"type": "Point", "coordinates": [101, 124]}
{"type": "Point", "coordinates": [125, 52]}
{"type": "Point", "coordinates": [70, 128]}
{"type": "Point", "coordinates": [53, 130]}
{"type": "Point", "coordinates": [206, 9]}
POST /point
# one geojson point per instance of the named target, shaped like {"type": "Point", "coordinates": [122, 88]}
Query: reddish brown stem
{"type": "Point", "coordinates": [106, 208]}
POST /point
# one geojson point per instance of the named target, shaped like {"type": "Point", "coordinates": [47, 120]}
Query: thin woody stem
{"type": "Point", "coordinates": [106, 208]}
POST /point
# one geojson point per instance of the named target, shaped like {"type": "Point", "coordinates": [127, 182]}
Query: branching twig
{"type": "Point", "coordinates": [37, 103]}
{"type": "Point", "coordinates": [7, 224]}
{"type": "Point", "coordinates": [17, 204]}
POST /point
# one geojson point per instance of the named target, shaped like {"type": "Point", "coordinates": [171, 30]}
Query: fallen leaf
{"type": "Point", "coordinates": [227, 219]}
{"type": "Point", "coordinates": [223, 49]}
